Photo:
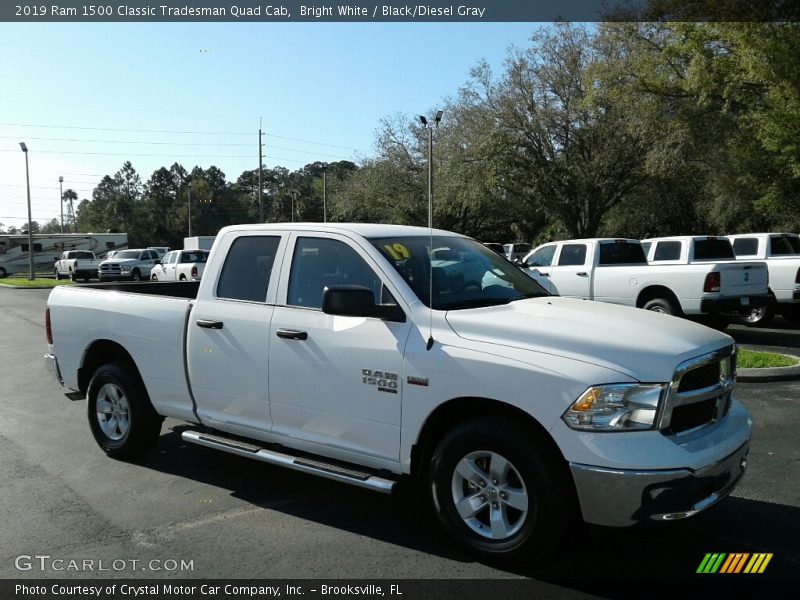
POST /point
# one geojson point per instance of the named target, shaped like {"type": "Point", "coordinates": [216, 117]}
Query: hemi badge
{"type": "Point", "coordinates": [412, 380]}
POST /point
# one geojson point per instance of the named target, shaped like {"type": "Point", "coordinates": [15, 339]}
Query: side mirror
{"type": "Point", "coordinates": [156, 262]}
{"type": "Point", "coordinates": [55, 258]}
{"type": "Point", "coordinates": [358, 301]}
{"type": "Point", "coordinates": [518, 262]}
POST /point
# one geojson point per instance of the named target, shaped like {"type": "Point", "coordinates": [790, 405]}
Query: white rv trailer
{"type": "Point", "coordinates": [47, 249]}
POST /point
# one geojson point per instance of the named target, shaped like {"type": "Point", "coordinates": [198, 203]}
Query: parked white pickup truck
{"type": "Point", "coordinates": [76, 264]}
{"type": "Point", "coordinates": [134, 264]}
{"type": "Point", "coordinates": [781, 253]}
{"type": "Point", "coordinates": [180, 265]}
{"type": "Point", "coordinates": [617, 271]}
{"type": "Point", "coordinates": [345, 352]}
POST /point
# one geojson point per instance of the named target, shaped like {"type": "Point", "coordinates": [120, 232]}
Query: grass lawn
{"type": "Point", "coordinates": [748, 359]}
{"type": "Point", "coordinates": [36, 283]}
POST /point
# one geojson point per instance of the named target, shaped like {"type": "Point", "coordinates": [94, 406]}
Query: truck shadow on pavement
{"type": "Point", "coordinates": [591, 556]}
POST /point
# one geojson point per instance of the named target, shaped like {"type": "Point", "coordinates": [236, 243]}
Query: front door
{"type": "Point", "coordinates": [571, 275]}
{"type": "Point", "coordinates": [334, 380]}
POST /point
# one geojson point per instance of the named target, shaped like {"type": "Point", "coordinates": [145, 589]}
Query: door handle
{"type": "Point", "coordinates": [582, 274]}
{"type": "Point", "coordinates": [291, 334]}
{"type": "Point", "coordinates": [209, 324]}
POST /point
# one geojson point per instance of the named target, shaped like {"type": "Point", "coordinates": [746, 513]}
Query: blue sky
{"type": "Point", "coordinates": [66, 90]}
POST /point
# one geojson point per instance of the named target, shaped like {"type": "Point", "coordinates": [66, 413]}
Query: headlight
{"type": "Point", "coordinates": [125, 269]}
{"type": "Point", "coordinates": [616, 407]}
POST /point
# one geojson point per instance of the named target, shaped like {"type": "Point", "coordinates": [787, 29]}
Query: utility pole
{"type": "Point", "coordinates": [61, 200]}
{"type": "Point", "coordinates": [294, 195]}
{"type": "Point", "coordinates": [260, 163]}
{"type": "Point", "coordinates": [324, 193]}
{"type": "Point", "coordinates": [189, 204]}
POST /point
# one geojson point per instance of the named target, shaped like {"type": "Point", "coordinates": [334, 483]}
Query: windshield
{"type": "Point", "coordinates": [127, 254]}
{"type": "Point", "coordinates": [465, 273]}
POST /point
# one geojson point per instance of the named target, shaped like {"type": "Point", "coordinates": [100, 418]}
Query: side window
{"type": "Point", "coordinates": [543, 257]}
{"type": "Point", "coordinates": [779, 246]}
{"type": "Point", "coordinates": [745, 246]}
{"type": "Point", "coordinates": [247, 269]}
{"type": "Point", "coordinates": [173, 257]}
{"type": "Point", "coordinates": [318, 263]}
{"type": "Point", "coordinates": [572, 254]}
{"type": "Point", "coordinates": [667, 251]}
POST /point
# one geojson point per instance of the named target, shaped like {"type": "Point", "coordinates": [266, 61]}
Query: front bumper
{"type": "Point", "coordinates": [734, 305]}
{"type": "Point", "coordinates": [620, 498]}
{"type": "Point", "coordinates": [51, 364]}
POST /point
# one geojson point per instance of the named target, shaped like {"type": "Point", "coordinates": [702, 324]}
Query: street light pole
{"type": "Point", "coordinates": [31, 276]}
{"type": "Point", "coordinates": [437, 119]}
{"type": "Point", "coordinates": [61, 200]}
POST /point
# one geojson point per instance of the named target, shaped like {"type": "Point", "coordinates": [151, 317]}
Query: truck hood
{"type": "Point", "coordinates": [641, 344]}
{"type": "Point", "coordinates": [120, 261]}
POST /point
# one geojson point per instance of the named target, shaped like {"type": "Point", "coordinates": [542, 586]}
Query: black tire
{"type": "Point", "coordinates": [662, 305]}
{"type": "Point", "coordinates": [72, 277]}
{"type": "Point", "coordinates": [55, 272]}
{"type": "Point", "coordinates": [143, 423]}
{"type": "Point", "coordinates": [760, 317]}
{"type": "Point", "coordinates": [153, 277]}
{"type": "Point", "coordinates": [136, 275]}
{"type": "Point", "coordinates": [182, 278]}
{"type": "Point", "coordinates": [3, 273]}
{"type": "Point", "coordinates": [537, 472]}
{"type": "Point", "coordinates": [791, 312]}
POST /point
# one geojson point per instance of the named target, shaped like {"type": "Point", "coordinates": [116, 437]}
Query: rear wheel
{"type": "Point", "coordinates": [761, 316]}
{"type": "Point", "coordinates": [499, 491]}
{"type": "Point", "coordinates": [122, 420]}
{"type": "Point", "coordinates": [661, 305]}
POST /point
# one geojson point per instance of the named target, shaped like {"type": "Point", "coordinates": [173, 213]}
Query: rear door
{"type": "Point", "coordinates": [228, 335]}
{"type": "Point", "coordinates": [570, 276]}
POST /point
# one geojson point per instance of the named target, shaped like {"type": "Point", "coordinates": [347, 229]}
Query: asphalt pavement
{"type": "Point", "coordinates": [233, 518]}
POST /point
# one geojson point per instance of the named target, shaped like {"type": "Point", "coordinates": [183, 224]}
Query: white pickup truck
{"type": "Point", "coordinates": [76, 264]}
{"type": "Point", "coordinates": [617, 271]}
{"type": "Point", "coordinates": [781, 253]}
{"type": "Point", "coordinates": [346, 352]}
{"type": "Point", "coordinates": [180, 265]}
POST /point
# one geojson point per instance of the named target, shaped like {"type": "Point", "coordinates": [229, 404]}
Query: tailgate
{"type": "Point", "coordinates": [743, 278]}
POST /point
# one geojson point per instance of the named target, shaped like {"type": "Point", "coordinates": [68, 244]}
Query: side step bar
{"type": "Point", "coordinates": [332, 471]}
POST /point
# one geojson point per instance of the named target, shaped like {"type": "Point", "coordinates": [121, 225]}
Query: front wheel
{"type": "Point", "coordinates": [57, 275]}
{"type": "Point", "coordinates": [122, 420]}
{"type": "Point", "coordinates": [153, 277]}
{"type": "Point", "coordinates": [499, 491]}
{"type": "Point", "coordinates": [136, 275]}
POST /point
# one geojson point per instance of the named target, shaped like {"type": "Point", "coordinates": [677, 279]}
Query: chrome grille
{"type": "Point", "coordinates": [700, 393]}
{"type": "Point", "coordinates": [112, 268]}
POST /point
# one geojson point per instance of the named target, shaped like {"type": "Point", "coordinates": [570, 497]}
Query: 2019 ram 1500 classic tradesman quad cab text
{"type": "Point", "coordinates": [365, 353]}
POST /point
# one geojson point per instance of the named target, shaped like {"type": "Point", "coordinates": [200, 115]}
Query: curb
{"type": "Point", "coordinates": [770, 374]}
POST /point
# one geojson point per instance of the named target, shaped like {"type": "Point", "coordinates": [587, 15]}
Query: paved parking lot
{"type": "Point", "coordinates": [59, 495]}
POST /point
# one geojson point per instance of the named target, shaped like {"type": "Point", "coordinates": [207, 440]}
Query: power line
{"type": "Point", "coordinates": [127, 130]}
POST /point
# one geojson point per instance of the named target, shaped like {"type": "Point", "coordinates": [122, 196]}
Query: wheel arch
{"type": "Point", "coordinates": [457, 410]}
{"type": "Point", "coordinates": [651, 292]}
{"type": "Point", "coordinates": [99, 353]}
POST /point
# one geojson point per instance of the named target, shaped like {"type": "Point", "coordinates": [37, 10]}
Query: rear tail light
{"type": "Point", "coordinates": [47, 327]}
{"type": "Point", "coordinates": [194, 271]}
{"type": "Point", "coordinates": [713, 282]}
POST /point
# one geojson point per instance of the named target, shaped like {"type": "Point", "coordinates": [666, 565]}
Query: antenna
{"type": "Point", "coordinates": [437, 119]}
